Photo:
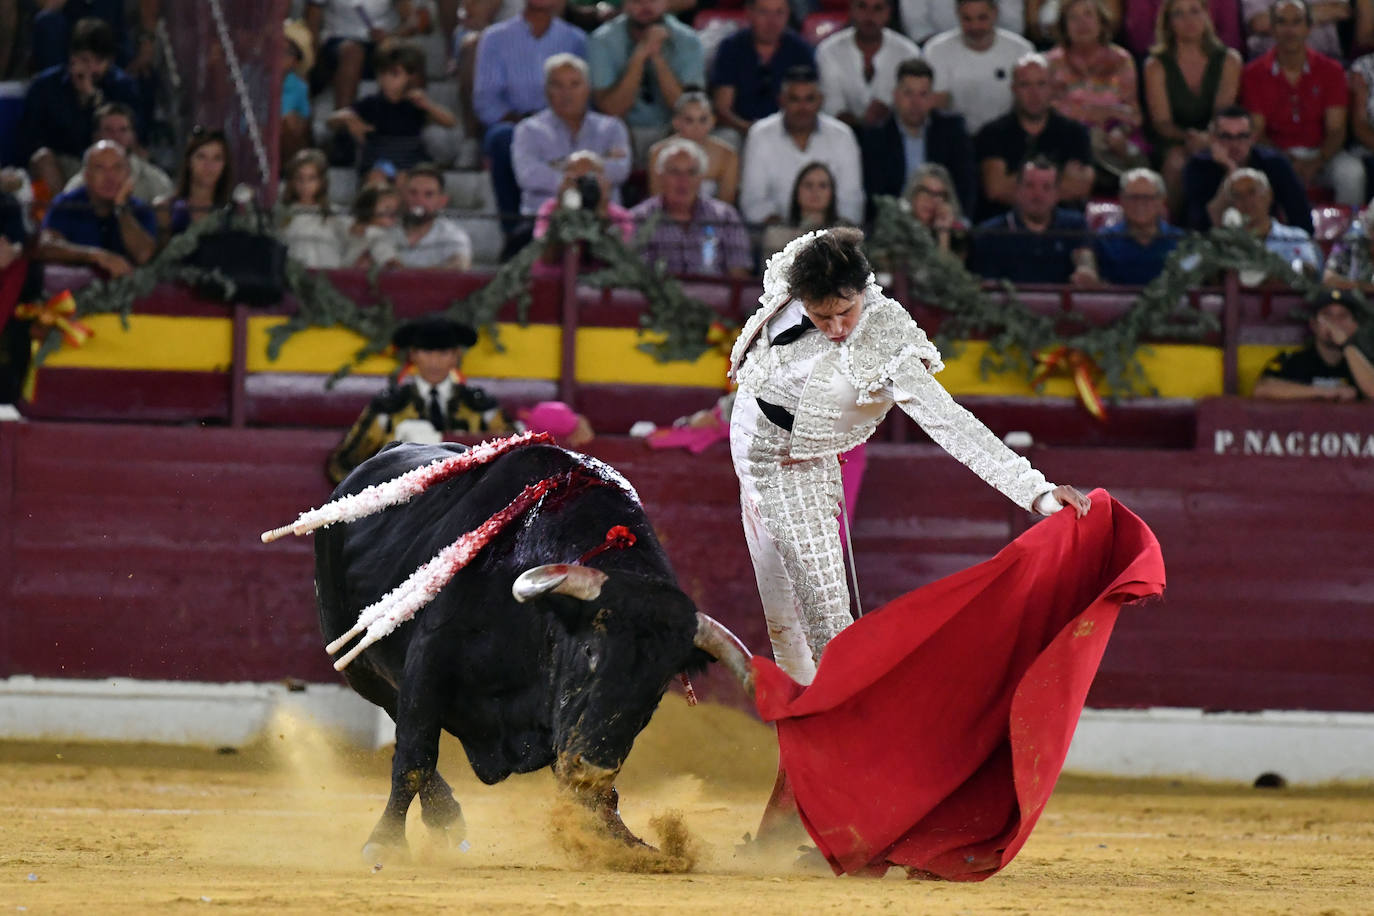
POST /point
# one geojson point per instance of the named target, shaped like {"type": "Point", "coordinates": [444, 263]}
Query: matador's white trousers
{"type": "Point", "coordinates": [791, 523]}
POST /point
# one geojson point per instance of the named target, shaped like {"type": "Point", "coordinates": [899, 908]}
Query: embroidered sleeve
{"type": "Point", "coordinates": [962, 435]}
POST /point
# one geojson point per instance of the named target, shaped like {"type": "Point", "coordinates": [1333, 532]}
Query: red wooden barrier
{"type": "Point", "coordinates": [133, 551]}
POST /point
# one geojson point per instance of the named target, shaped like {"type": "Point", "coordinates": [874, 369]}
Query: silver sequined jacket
{"type": "Point", "coordinates": [887, 359]}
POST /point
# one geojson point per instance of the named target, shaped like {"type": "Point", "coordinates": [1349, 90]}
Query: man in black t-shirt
{"type": "Point", "coordinates": [1032, 129]}
{"type": "Point", "coordinates": [1332, 367]}
{"type": "Point", "coordinates": [387, 125]}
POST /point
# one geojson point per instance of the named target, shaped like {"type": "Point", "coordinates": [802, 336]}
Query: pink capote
{"type": "Point", "coordinates": [937, 725]}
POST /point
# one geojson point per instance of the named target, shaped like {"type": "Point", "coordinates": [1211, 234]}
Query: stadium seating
{"type": "Point", "coordinates": [819, 26]}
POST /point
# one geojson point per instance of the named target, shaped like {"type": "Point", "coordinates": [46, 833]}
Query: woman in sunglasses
{"type": "Point", "coordinates": [935, 205]}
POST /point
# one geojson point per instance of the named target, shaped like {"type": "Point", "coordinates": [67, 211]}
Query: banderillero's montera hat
{"type": "Point", "coordinates": [433, 332]}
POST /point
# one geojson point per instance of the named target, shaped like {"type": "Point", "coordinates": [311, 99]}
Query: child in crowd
{"type": "Point", "coordinates": [310, 230]}
{"type": "Point", "coordinates": [368, 238]}
{"type": "Point", "coordinates": [694, 119]}
{"type": "Point", "coordinates": [388, 124]}
{"type": "Point", "coordinates": [383, 174]}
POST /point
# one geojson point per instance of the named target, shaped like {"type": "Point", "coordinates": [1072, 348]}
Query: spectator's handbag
{"type": "Point", "coordinates": [253, 260]}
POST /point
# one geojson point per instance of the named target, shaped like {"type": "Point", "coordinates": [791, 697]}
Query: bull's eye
{"type": "Point", "coordinates": [593, 657]}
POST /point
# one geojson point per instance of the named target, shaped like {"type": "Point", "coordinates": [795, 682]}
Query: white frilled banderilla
{"type": "Point", "coordinates": [379, 619]}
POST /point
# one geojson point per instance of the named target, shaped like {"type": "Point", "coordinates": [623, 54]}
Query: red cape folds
{"type": "Point", "coordinates": [937, 725]}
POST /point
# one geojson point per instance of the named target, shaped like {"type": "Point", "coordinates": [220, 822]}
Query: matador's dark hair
{"type": "Point", "coordinates": [832, 265]}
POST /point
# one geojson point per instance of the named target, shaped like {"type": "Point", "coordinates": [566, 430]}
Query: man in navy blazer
{"type": "Point", "coordinates": [914, 134]}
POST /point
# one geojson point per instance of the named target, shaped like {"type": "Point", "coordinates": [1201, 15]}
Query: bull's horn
{"type": "Point", "coordinates": [716, 640]}
{"type": "Point", "coordinates": [560, 579]}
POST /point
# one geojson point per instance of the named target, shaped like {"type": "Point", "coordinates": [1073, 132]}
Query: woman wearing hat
{"type": "Point", "coordinates": [431, 397]}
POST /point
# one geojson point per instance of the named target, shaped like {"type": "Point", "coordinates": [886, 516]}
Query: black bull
{"type": "Point", "coordinates": [565, 672]}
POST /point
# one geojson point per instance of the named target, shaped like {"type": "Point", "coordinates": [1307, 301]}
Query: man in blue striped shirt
{"type": "Point", "coordinates": [544, 141]}
{"type": "Point", "coordinates": [509, 85]}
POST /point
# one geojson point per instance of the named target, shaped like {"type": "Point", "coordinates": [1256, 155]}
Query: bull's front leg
{"type": "Point", "coordinates": [413, 765]}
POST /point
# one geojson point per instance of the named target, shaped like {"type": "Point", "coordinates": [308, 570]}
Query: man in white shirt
{"type": "Point", "coordinates": [858, 65]}
{"type": "Point", "coordinates": [115, 121]}
{"type": "Point", "coordinates": [973, 64]}
{"type": "Point", "coordinates": [780, 145]}
{"type": "Point", "coordinates": [924, 19]}
{"type": "Point", "coordinates": [426, 239]}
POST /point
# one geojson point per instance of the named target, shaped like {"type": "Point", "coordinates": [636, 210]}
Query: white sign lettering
{"type": "Point", "coordinates": [1293, 443]}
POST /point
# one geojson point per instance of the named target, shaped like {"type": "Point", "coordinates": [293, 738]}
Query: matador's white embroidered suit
{"type": "Point", "coordinates": [790, 480]}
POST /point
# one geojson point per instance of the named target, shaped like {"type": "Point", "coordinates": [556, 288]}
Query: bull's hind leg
{"type": "Point", "coordinates": [441, 812]}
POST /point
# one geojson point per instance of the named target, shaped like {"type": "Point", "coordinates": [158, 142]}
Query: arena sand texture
{"type": "Point", "coordinates": [278, 827]}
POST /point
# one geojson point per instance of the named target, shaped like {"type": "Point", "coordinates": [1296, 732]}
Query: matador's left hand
{"type": "Point", "coordinates": [1071, 497]}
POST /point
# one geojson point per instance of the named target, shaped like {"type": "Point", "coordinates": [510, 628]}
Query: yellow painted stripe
{"type": "Point", "coordinates": [604, 356]}
{"type": "Point", "coordinates": [156, 342]}
{"type": "Point", "coordinates": [612, 356]}
{"type": "Point", "coordinates": [530, 352]}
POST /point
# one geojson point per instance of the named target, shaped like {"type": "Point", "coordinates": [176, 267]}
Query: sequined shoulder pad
{"type": "Point", "coordinates": [886, 339]}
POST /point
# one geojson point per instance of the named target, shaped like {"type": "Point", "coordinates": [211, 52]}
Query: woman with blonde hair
{"type": "Point", "coordinates": [934, 204]}
{"type": "Point", "coordinates": [1189, 76]}
{"type": "Point", "coordinates": [1093, 81]}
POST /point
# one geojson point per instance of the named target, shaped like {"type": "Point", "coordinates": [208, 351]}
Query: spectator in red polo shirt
{"type": "Point", "coordinates": [1299, 99]}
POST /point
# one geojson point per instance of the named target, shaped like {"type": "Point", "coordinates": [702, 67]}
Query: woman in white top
{"type": "Point", "coordinates": [818, 366]}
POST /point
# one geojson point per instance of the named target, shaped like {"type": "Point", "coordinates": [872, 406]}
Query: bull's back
{"type": "Point", "coordinates": [359, 562]}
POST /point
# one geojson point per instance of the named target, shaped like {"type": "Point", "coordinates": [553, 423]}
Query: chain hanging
{"type": "Point", "coordinates": [241, 88]}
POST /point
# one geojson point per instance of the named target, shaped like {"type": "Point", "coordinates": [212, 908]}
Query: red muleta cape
{"type": "Point", "coordinates": [937, 725]}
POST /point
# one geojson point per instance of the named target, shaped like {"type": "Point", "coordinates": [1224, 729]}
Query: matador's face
{"type": "Point", "coordinates": [837, 316]}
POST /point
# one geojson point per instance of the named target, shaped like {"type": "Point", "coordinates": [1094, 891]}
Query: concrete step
{"type": "Point", "coordinates": [470, 191]}
{"type": "Point", "coordinates": [487, 239]}
{"type": "Point", "coordinates": [343, 186]}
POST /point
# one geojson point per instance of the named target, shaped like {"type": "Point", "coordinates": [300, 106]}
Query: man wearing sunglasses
{"type": "Point", "coordinates": [1233, 147]}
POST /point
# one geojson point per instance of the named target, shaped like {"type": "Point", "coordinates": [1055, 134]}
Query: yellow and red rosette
{"type": "Point", "coordinates": [1080, 366]}
{"type": "Point", "coordinates": [58, 313]}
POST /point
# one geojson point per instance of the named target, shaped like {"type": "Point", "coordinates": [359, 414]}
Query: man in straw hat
{"type": "Point", "coordinates": [299, 51]}
{"type": "Point", "coordinates": [431, 398]}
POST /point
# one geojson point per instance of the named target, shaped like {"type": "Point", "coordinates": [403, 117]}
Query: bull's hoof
{"type": "Point", "coordinates": [378, 854]}
{"type": "Point", "coordinates": [618, 831]}
{"type": "Point", "coordinates": [451, 836]}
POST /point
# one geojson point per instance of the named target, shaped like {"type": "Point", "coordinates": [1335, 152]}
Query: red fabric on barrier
{"type": "Point", "coordinates": [937, 726]}
{"type": "Point", "coordinates": [11, 284]}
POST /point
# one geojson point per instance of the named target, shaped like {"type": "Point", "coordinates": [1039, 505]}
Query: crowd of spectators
{"type": "Point", "coordinates": [997, 121]}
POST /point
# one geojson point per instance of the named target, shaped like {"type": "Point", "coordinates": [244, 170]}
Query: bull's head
{"type": "Point", "coordinates": [627, 636]}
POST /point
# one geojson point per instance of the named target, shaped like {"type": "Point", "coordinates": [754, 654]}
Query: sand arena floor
{"type": "Point", "coordinates": [278, 827]}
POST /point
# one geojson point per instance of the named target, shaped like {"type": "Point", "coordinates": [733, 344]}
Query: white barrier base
{"type": "Point", "coordinates": [1302, 747]}
{"type": "Point", "coordinates": [177, 712]}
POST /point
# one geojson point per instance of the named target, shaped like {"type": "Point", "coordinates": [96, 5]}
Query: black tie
{"type": "Point", "coordinates": [791, 334]}
{"type": "Point", "coordinates": [436, 413]}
